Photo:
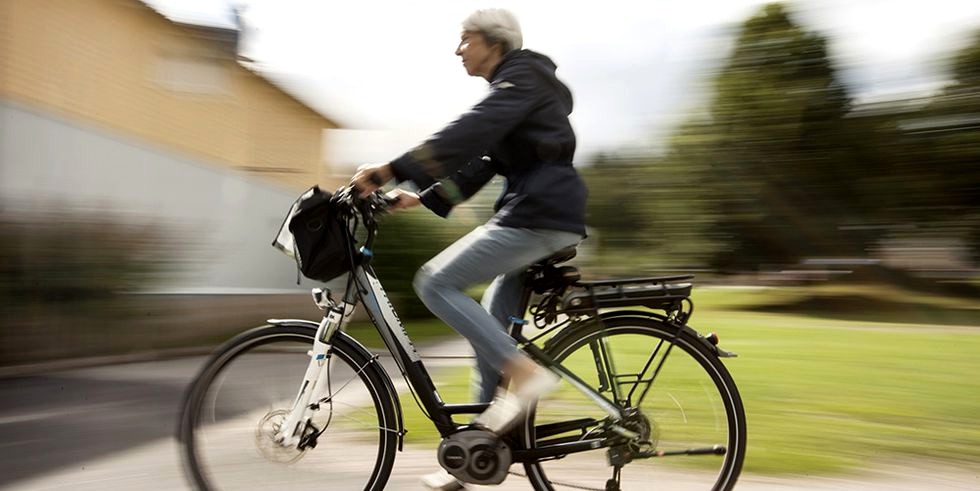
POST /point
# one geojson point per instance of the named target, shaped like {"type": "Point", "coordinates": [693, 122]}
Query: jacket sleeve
{"type": "Point", "coordinates": [446, 193]}
{"type": "Point", "coordinates": [513, 95]}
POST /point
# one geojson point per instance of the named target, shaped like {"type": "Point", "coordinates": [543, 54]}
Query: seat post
{"type": "Point", "coordinates": [558, 257]}
{"type": "Point", "coordinates": [518, 323]}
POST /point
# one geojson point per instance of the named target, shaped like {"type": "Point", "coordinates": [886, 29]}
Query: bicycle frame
{"type": "Point", "coordinates": [608, 339]}
{"type": "Point", "coordinates": [364, 284]}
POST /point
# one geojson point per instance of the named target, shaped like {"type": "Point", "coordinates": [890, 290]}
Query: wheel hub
{"type": "Point", "coordinates": [266, 441]}
{"type": "Point", "coordinates": [642, 446]}
{"type": "Point", "coordinates": [649, 433]}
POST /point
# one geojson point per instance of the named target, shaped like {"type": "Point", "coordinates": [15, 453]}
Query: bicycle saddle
{"type": "Point", "coordinates": [559, 257]}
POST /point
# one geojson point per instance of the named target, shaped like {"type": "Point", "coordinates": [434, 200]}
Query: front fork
{"type": "Point", "coordinates": [291, 431]}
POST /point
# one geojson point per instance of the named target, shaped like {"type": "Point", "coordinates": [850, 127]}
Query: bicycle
{"type": "Point", "coordinates": [623, 415]}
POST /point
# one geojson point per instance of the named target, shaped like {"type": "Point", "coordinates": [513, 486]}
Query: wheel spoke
{"type": "Point", "coordinates": [694, 416]}
{"type": "Point", "coordinates": [229, 435]}
{"type": "Point", "coordinates": [656, 372]}
{"type": "Point", "coordinates": [333, 393]}
{"type": "Point", "coordinates": [643, 371]}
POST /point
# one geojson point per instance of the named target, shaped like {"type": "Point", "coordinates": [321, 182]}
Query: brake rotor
{"type": "Point", "coordinates": [265, 439]}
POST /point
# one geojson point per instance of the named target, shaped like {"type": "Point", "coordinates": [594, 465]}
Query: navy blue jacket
{"type": "Point", "coordinates": [520, 131]}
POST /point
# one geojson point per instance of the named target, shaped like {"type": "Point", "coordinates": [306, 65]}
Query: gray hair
{"type": "Point", "coordinates": [497, 26]}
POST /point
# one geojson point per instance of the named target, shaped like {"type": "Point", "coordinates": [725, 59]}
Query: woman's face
{"type": "Point", "coordinates": [479, 59]}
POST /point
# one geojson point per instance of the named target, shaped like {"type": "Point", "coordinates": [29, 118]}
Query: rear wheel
{"type": "Point", "coordinates": [683, 401]}
{"type": "Point", "coordinates": [239, 400]}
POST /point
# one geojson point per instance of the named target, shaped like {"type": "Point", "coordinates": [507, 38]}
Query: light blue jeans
{"type": "Point", "coordinates": [490, 252]}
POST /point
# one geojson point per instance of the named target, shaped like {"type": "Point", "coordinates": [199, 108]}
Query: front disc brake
{"type": "Point", "coordinates": [265, 439]}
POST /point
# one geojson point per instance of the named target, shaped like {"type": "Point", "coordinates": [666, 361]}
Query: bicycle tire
{"type": "Point", "coordinates": [202, 421]}
{"type": "Point", "coordinates": [674, 391]}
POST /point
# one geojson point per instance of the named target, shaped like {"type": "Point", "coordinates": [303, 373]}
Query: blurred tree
{"type": "Point", "coordinates": [920, 159]}
{"type": "Point", "coordinates": [407, 240]}
{"type": "Point", "coordinates": [779, 166]}
{"type": "Point", "coordinates": [965, 145]}
{"type": "Point", "coordinates": [646, 213]}
{"type": "Point", "coordinates": [944, 153]}
{"type": "Point", "coordinates": [60, 256]}
{"type": "Point", "coordinates": [773, 157]}
{"type": "Point", "coordinates": [617, 211]}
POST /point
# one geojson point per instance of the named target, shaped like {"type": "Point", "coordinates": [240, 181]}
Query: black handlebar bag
{"type": "Point", "coordinates": [316, 235]}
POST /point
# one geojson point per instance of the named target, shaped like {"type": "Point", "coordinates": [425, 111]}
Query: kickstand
{"type": "Point", "coordinates": [613, 483]}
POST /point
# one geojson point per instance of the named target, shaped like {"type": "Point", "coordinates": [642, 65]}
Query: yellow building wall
{"type": "Point", "coordinates": [119, 64]}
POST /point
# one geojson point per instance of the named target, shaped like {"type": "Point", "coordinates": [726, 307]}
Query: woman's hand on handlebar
{"type": "Point", "coordinates": [370, 177]}
{"type": "Point", "coordinates": [401, 199]}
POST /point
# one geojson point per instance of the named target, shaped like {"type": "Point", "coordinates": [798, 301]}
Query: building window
{"type": "Point", "coordinates": [193, 71]}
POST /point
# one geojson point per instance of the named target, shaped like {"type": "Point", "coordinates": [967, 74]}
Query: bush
{"type": "Point", "coordinates": [405, 242]}
{"type": "Point", "coordinates": [59, 257]}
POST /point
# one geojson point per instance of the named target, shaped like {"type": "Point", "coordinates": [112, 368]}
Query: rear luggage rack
{"type": "Point", "coordinates": [655, 293]}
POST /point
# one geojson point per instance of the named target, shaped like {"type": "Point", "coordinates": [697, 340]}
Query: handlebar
{"type": "Point", "coordinates": [367, 207]}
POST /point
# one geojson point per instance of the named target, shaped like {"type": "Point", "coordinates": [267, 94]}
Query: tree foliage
{"type": "Point", "coordinates": [407, 240]}
{"type": "Point", "coordinates": [781, 165]}
{"type": "Point", "coordinates": [922, 159]}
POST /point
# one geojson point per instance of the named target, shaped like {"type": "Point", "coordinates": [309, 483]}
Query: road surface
{"type": "Point", "coordinates": [112, 427]}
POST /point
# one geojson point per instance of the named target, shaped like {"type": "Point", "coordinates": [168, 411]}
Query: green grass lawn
{"type": "Point", "coordinates": [830, 391]}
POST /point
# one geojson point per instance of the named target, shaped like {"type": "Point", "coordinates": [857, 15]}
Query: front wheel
{"type": "Point", "coordinates": [237, 403]}
{"type": "Point", "coordinates": [681, 397]}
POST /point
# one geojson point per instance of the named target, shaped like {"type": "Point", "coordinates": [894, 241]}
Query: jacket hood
{"type": "Point", "coordinates": [540, 64]}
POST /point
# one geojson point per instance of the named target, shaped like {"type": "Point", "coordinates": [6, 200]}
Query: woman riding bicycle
{"type": "Point", "coordinates": [521, 131]}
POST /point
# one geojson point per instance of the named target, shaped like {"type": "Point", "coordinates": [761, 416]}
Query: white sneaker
{"type": "Point", "coordinates": [441, 481]}
{"type": "Point", "coordinates": [508, 408]}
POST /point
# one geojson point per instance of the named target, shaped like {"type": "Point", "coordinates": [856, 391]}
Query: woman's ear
{"type": "Point", "coordinates": [499, 48]}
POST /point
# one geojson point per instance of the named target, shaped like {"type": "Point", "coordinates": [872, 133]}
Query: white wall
{"type": "Point", "coordinates": [226, 220]}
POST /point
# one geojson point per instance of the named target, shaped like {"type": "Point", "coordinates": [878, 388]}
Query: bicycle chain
{"type": "Point", "coordinates": [575, 486]}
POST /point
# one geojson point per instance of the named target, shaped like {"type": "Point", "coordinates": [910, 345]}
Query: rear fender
{"type": "Point", "coordinates": [644, 314]}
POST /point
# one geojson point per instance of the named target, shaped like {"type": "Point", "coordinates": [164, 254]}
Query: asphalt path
{"type": "Point", "coordinates": [112, 427]}
{"type": "Point", "coordinates": [60, 421]}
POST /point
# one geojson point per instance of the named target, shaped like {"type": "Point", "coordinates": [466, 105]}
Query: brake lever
{"type": "Point", "coordinates": [390, 200]}
{"type": "Point", "coordinates": [381, 201]}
